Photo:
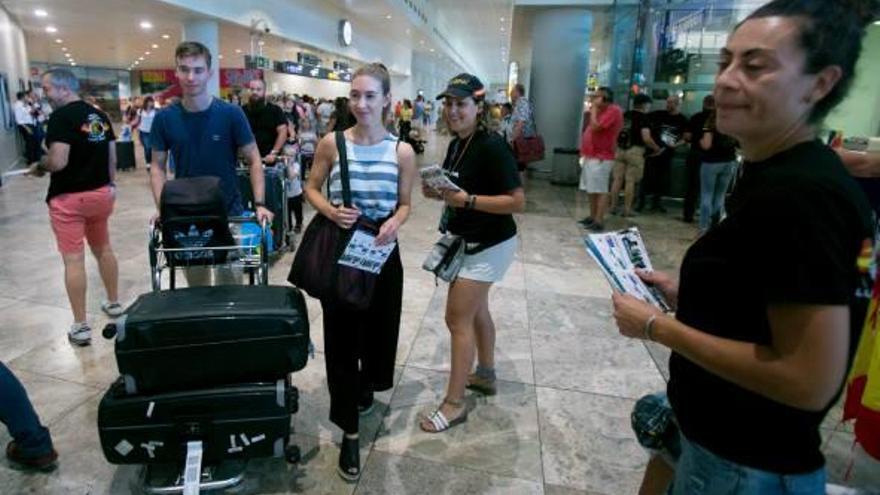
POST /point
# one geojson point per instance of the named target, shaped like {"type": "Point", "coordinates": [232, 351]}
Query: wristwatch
{"type": "Point", "coordinates": [259, 204]}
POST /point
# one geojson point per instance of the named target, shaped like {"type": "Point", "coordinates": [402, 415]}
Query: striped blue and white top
{"type": "Point", "coordinates": [373, 173]}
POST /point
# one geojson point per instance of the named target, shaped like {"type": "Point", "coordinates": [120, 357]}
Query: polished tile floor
{"type": "Point", "coordinates": [559, 425]}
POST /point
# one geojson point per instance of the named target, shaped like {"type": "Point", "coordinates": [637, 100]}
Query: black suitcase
{"type": "Point", "coordinates": [243, 421]}
{"type": "Point", "coordinates": [205, 336]}
{"type": "Point", "coordinates": [125, 155]}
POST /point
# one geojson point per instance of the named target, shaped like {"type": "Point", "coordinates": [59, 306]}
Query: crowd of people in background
{"type": "Point", "coordinates": [31, 114]}
{"type": "Point", "coordinates": [632, 151]}
{"type": "Point", "coordinates": [308, 118]}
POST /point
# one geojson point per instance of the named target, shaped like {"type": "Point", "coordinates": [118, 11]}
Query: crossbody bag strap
{"type": "Point", "coordinates": [343, 169]}
{"type": "Point", "coordinates": [397, 154]}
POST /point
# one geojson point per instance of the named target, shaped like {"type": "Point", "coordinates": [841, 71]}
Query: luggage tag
{"type": "Point", "coordinates": [192, 474]}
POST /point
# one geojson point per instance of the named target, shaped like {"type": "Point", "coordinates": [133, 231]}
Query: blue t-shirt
{"type": "Point", "coordinates": [205, 143]}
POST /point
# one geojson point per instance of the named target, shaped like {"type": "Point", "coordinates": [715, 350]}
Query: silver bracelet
{"type": "Point", "coordinates": [649, 327]}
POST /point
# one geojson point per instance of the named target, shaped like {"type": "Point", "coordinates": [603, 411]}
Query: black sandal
{"type": "Point", "coordinates": [349, 467]}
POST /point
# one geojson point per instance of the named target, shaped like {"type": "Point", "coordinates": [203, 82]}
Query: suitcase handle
{"type": "Point", "coordinates": [292, 399]}
{"type": "Point", "coordinates": [109, 331]}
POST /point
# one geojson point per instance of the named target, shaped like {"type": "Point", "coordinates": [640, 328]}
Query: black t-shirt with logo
{"type": "Point", "coordinates": [667, 128]}
{"type": "Point", "coordinates": [487, 168]}
{"type": "Point", "coordinates": [264, 119]}
{"type": "Point", "coordinates": [89, 133]}
{"type": "Point", "coordinates": [796, 227]}
{"type": "Point", "coordinates": [631, 133]}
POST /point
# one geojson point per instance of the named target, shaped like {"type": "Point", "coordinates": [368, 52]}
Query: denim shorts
{"type": "Point", "coordinates": [701, 472]}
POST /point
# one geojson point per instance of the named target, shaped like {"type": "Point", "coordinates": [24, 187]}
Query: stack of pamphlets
{"type": "Point", "coordinates": [435, 177]}
{"type": "Point", "coordinates": [619, 254]}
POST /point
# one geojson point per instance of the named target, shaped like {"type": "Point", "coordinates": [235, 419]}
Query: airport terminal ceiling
{"type": "Point", "coordinates": [106, 33]}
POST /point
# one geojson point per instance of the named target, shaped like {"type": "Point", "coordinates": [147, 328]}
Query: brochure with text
{"type": "Point", "coordinates": [618, 255]}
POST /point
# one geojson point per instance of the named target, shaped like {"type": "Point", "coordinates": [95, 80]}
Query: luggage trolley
{"type": "Point", "coordinates": [246, 252]}
{"type": "Point", "coordinates": [275, 197]}
{"type": "Point", "coordinates": [171, 418]}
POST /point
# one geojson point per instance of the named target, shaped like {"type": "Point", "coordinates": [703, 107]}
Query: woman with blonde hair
{"type": "Point", "coordinates": [360, 346]}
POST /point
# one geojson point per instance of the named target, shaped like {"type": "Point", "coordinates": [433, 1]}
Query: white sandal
{"type": "Point", "coordinates": [438, 420]}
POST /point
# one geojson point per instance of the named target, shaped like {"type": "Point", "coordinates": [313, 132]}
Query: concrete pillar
{"type": "Point", "coordinates": [560, 58]}
{"type": "Point", "coordinates": [623, 51]}
{"type": "Point", "coordinates": [206, 32]}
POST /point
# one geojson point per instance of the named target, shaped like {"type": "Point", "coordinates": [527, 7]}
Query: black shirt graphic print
{"type": "Point", "coordinates": [89, 133]}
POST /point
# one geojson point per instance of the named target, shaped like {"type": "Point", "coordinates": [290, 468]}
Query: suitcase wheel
{"type": "Point", "coordinates": [292, 454]}
{"type": "Point", "coordinates": [109, 331]}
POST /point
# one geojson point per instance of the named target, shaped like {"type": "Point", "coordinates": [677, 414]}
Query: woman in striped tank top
{"type": "Point", "coordinates": [360, 346]}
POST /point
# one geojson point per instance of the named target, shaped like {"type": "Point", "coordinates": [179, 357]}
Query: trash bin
{"type": "Point", "coordinates": [565, 166]}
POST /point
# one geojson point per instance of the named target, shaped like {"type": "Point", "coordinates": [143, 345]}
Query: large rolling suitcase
{"type": "Point", "coordinates": [125, 155]}
{"type": "Point", "coordinates": [205, 336]}
{"type": "Point", "coordinates": [241, 421]}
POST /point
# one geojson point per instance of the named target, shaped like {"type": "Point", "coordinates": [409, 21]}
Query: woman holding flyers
{"type": "Point", "coordinates": [360, 346]}
{"type": "Point", "coordinates": [482, 165]}
{"type": "Point", "coordinates": [770, 302]}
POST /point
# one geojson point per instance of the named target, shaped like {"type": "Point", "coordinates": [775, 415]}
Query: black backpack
{"type": "Point", "coordinates": [193, 215]}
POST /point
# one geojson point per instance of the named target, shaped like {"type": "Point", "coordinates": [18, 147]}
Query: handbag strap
{"type": "Point", "coordinates": [343, 169]}
{"type": "Point", "coordinates": [534, 117]}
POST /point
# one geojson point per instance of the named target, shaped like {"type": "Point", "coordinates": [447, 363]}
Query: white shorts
{"type": "Point", "coordinates": [489, 265]}
{"type": "Point", "coordinates": [596, 176]}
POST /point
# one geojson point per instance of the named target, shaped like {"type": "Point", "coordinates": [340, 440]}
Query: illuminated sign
{"type": "Point", "coordinates": [257, 62]}
{"type": "Point", "coordinates": [298, 69]}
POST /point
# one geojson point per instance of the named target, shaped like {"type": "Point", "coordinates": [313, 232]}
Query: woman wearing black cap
{"type": "Point", "coordinates": [482, 165]}
{"type": "Point", "coordinates": [770, 302]}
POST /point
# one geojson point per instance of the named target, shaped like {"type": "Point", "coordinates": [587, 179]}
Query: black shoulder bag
{"type": "Point", "coordinates": [315, 267]}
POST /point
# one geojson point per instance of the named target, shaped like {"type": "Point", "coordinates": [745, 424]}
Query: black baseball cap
{"type": "Point", "coordinates": [462, 86]}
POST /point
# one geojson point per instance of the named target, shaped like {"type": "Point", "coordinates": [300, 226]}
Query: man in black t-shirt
{"type": "Point", "coordinates": [694, 159]}
{"type": "Point", "coordinates": [267, 122]}
{"type": "Point", "coordinates": [667, 128]}
{"type": "Point", "coordinates": [633, 143]}
{"type": "Point", "coordinates": [82, 161]}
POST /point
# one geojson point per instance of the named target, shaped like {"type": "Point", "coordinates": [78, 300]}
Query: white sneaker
{"type": "Point", "coordinates": [113, 309]}
{"type": "Point", "coordinates": [80, 334]}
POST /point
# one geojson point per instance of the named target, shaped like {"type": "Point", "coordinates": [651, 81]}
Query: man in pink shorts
{"type": "Point", "coordinates": [82, 161]}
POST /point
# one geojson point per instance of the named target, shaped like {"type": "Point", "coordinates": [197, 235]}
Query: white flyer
{"type": "Point", "coordinates": [618, 255]}
{"type": "Point", "coordinates": [435, 177]}
{"type": "Point", "coordinates": [363, 253]}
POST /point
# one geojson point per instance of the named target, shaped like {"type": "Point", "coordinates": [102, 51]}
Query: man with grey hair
{"type": "Point", "coordinates": [82, 164]}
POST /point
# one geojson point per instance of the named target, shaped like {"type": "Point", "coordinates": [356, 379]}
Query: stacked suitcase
{"type": "Point", "coordinates": [207, 364]}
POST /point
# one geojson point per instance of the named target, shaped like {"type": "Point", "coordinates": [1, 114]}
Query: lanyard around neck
{"type": "Point", "coordinates": [455, 166]}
